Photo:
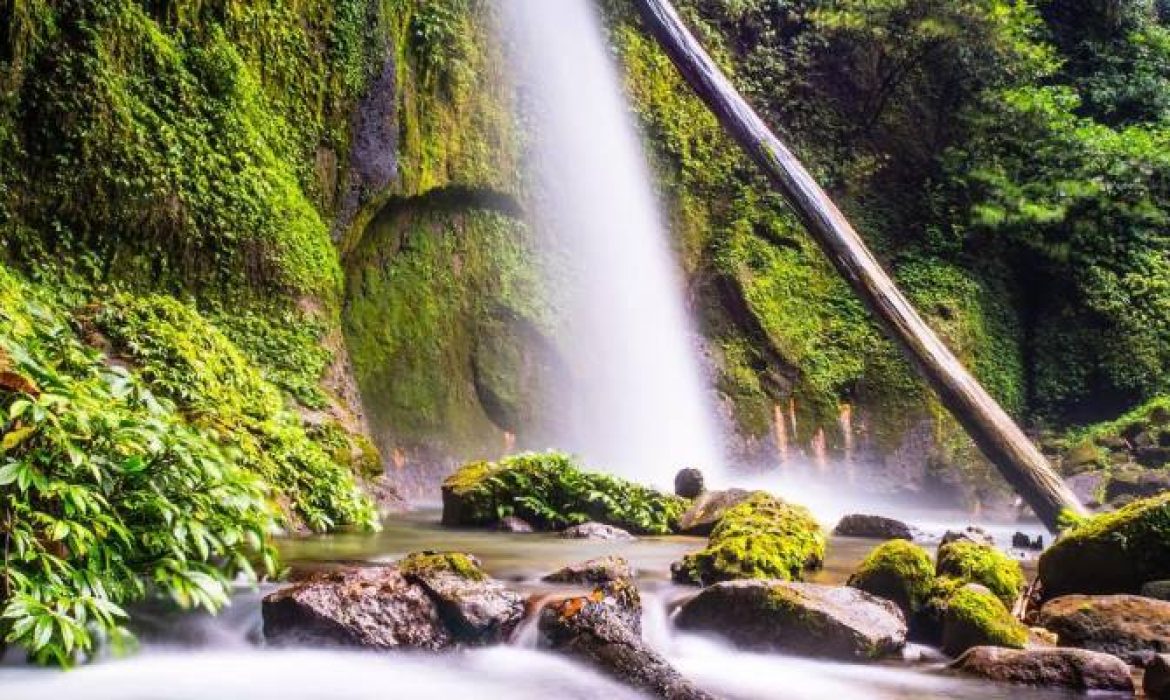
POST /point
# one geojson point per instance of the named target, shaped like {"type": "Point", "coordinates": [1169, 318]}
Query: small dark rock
{"type": "Point", "coordinates": [1152, 456]}
{"type": "Point", "coordinates": [708, 509]}
{"type": "Point", "coordinates": [1157, 680]}
{"type": "Point", "coordinates": [970, 534]}
{"type": "Point", "coordinates": [1020, 540]}
{"type": "Point", "coordinates": [514, 524]}
{"type": "Point", "coordinates": [1075, 669]}
{"type": "Point", "coordinates": [595, 531]}
{"type": "Point", "coordinates": [689, 483]}
{"type": "Point", "coordinates": [874, 527]}
{"type": "Point", "coordinates": [798, 618]}
{"type": "Point", "coordinates": [595, 633]}
{"type": "Point", "coordinates": [1132, 627]}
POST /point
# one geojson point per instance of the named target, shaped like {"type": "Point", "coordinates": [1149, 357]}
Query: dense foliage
{"type": "Point", "coordinates": [551, 492]}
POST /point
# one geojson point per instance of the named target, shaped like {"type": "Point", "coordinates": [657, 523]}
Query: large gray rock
{"type": "Point", "coordinates": [798, 618]}
{"type": "Point", "coordinates": [1075, 669]}
{"type": "Point", "coordinates": [475, 609]}
{"type": "Point", "coordinates": [1132, 627]}
{"type": "Point", "coordinates": [595, 531]}
{"type": "Point", "coordinates": [873, 527]}
{"type": "Point", "coordinates": [708, 509]}
{"type": "Point", "coordinates": [595, 633]}
{"type": "Point", "coordinates": [371, 607]}
{"type": "Point", "coordinates": [1157, 679]}
{"type": "Point", "coordinates": [426, 601]}
{"type": "Point", "coordinates": [612, 579]}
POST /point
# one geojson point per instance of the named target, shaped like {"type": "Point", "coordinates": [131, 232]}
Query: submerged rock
{"type": "Point", "coordinates": [370, 607]}
{"type": "Point", "coordinates": [1075, 669]}
{"type": "Point", "coordinates": [708, 509]}
{"type": "Point", "coordinates": [974, 616]}
{"type": "Point", "coordinates": [515, 525]}
{"type": "Point", "coordinates": [761, 538]}
{"type": "Point", "coordinates": [426, 601]}
{"type": "Point", "coordinates": [797, 618]}
{"type": "Point", "coordinates": [1132, 627]}
{"type": "Point", "coordinates": [595, 633]}
{"type": "Point", "coordinates": [899, 572]}
{"type": "Point", "coordinates": [1111, 553]}
{"type": "Point", "coordinates": [595, 531]}
{"type": "Point", "coordinates": [551, 492]}
{"type": "Point", "coordinates": [1157, 679]}
{"type": "Point", "coordinates": [689, 483]}
{"type": "Point", "coordinates": [873, 527]}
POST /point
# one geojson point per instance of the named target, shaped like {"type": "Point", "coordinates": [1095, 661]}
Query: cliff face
{"type": "Point", "coordinates": [337, 188]}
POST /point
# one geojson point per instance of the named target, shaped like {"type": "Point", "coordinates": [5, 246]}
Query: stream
{"type": "Point", "coordinates": [196, 656]}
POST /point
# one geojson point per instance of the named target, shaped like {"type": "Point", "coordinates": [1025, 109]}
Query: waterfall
{"type": "Point", "coordinates": [635, 402]}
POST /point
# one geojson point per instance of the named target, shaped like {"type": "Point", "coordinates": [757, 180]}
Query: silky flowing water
{"type": "Point", "coordinates": [194, 656]}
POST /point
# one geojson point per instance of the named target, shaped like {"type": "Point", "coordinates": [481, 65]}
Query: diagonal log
{"type": "Point", "coordinates": [993, 430]}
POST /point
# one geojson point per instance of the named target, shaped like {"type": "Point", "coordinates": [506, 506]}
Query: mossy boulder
{"type": "Point", "coordinates": [474, 608]}
{"type": "Point", "coordinates": [835, 622]}
{"type": "Point", "coordinates": [762, 538]}
{"type": "Point", "coordinates": [551, 492]}
{"type": "Point", "coordinates": [1112, 553]}
{"type": "Point", "coordinates": [976, 563]}
{"type": "Point", "coordinates": [974, 617]}
{"type": "Point", "coordinates": [898, 571]}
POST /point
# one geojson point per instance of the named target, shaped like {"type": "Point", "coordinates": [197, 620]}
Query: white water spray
{"type": "Point", "coordinates": [637, 401]}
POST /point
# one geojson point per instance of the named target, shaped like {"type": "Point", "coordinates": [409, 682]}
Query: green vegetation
{"type": "Point", "coordinates": [898, 571]}
{"type": "Point", "coordinates": [108, 492]}
{"type": "Point", "coordinates": [1111, 553]}
{"type": "Point", "coordinates": [976, 617]}
{"type": "Point", "coordinates": [970, 562]}
{"type": "Point", "coordinates": [550, 491]}
{"type": "Point", "coordinates": [762, 538]}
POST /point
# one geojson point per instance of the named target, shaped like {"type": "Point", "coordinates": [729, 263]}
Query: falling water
{"type": "Point", "coordinates": [636, 401]}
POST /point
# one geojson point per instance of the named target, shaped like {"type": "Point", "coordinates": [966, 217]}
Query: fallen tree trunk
{"type": "Point", "coordinates": [993, 430]}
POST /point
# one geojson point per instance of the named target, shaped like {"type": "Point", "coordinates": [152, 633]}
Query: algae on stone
{"type": "Point", "coordinates": [1112, 553]}
{"type": "Point", "coordinates": [762, 538]}
{"type": "Point", "coordinates": [898, 571]}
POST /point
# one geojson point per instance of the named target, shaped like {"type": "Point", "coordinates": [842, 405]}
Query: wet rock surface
{"type": "Point", "coordinates": [708, 509]}
{"type": "Point", "coordinates": [370, 607]}
{"type": "Point", "coordinates": [612, 579]}
{"type": "Point", "coordinates": [874, 527]}
{"type": "Point", "coordinates": [797, 618]}
{"type": "Point", "coordinates": [1075, 669]}
{"type": "Point", "coordinates": [1131, 627]}
{"type": "Point", "coordinates": [595, 531]}
{"type": "Point", "coordinates": [595, 633]}
{"type": "Point", "coordinates": [426, 601]}
{"type": "Point", "coordinates": [973, 534]}
{"type": "Point", "coordinates": [1159, 590]}
{"type": "Point", "coordinates": [515, 525]}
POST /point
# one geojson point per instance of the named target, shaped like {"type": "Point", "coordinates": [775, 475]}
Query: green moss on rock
{"type": "Point", "coordinates": [975, 617]}
{"type": "Point", "coordinates": [970, 562]}
{"type": "Point", "coordinates": [1112, 553]}
{"type": "Point", "coordinates": [898, 571]}
{"type": "Point", "coordinates": [551, 492]}
{"type": "Point", "coordinates": [762, 538]}
{"type": "Point", "coordinates": [423, 563]}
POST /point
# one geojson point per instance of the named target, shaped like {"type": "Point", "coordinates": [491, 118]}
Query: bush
{"type": "Point", "coordinates": [550, 491]}
{"type": "Point", "coordinates": [106, 492]}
